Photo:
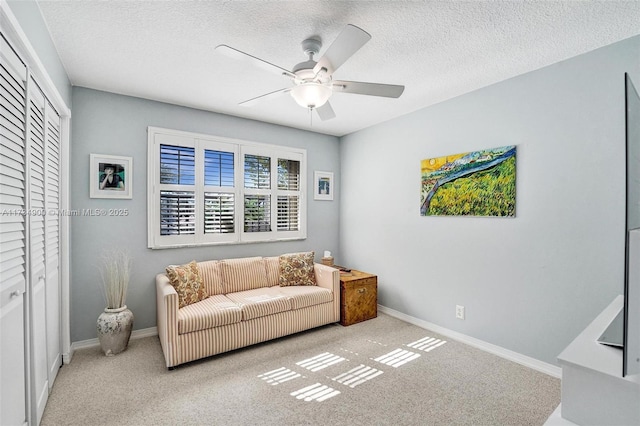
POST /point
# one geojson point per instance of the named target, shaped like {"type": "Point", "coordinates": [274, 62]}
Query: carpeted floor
{"type": "Point", "coordinates": [382, 371]}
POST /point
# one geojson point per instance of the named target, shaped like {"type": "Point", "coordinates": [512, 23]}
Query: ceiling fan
{"type": "Point", "coordinates": [313, 82]}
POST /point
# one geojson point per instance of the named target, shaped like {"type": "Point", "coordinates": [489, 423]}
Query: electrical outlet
{"type": "Point", "coordinates": [460, 312]}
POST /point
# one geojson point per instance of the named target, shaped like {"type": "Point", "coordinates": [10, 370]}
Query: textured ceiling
{"type": "Point", "coordinates": [164, 50]}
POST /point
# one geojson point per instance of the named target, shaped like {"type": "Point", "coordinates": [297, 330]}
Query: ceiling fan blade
{"type": "Point", "coordinates": [242, 56]}
{"type": "Point", "coordinates": [371, 89]}
{"type": "Point", "coordinates": [325, 112]}
{"type": "Point", "coordinates": [257, 99]}
{"type": "Point", "coordinates": [348, 42]}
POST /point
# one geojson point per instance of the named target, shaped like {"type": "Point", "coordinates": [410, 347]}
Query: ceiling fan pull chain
{"type": "Point", "coordinates": [311, 116]}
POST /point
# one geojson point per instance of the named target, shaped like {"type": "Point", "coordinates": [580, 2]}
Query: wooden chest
{"type": "Point", "coordinates": [358, 297]}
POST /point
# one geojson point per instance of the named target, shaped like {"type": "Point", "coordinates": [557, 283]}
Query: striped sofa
{"type": "Point", "coordinates": [245, 305]}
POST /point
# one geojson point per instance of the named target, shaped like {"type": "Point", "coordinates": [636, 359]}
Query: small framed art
{"type": "Point", "coordinates": [111, 176]}
{"type": "Point", "coordinates": [324, 186]}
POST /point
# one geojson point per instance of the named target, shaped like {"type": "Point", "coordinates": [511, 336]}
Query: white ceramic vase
{"type": "Point", "coordinates": [114, 330]}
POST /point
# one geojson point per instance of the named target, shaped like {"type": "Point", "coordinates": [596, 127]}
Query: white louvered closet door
{"type": "Point", "coordinates": [52, 242]}
{"type": "Point", "coordinates": [30, 237]}
{"type": "Point", "coordinates": [12, 238]}
{"type": "Point", "coordinates": [36, 234]}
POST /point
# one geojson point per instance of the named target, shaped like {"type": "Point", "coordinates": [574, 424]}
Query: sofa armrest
{"type": "Point", "coordinates": [329, 277]}
{"type": "Point", "coordinates": [167, 319]}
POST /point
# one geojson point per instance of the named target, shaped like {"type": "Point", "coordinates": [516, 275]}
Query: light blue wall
{"type": "Point", "coordinates": [106, 123]}
{"type": "Point", "coordinates": [30, 19]}
{"type": "Point", "coordinates": [531, 283]}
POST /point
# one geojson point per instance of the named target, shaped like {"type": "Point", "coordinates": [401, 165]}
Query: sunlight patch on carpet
{"type": "Point", "coordinates": [397, 357]}
{"type": "Point", "coordinates": [321, 361]}
{"type": "Point", "coordinates": [279, 375]}
{"type": "Point", "coordinates": [316, 392]}
{"type": "Point", "coordinates": [357, 376]}
{"type": "Point", "coordinates": [349, 351]}
{"type": "Point", "coordinates": [427, 344]}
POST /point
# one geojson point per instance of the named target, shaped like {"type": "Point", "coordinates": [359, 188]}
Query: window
{"type": "Point", "coordinates": [288, 195]}
{"type": "Point", "coordinates": [210, 190]}
{"type": "Point", "coordinates": [177, 195]}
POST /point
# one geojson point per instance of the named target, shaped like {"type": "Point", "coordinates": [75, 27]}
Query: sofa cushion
{"type": "Point", "coordinates": [188, 283]}
{"type": "Point", "coordinates": [213, 311]}
{"type": "Point", "coordinates": [296, 269]}
{"type": "Point", "coordinates": [243, 274]}
{"type": "Point", "coordinates": [303, 296]}
{"type": "Point", "coordinates": [273, 270]}
{"type": "Point", "coordinates": [260, 302]}
{"type": "Point", "coordinates": [211, 276]}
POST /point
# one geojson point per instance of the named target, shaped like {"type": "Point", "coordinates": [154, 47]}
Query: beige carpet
{"type": "Point", "coordinates": [379, 372]}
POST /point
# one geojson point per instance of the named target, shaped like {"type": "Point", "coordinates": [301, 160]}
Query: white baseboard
{"type": "Point", "coordinates": [89, 343]}
{"type": "Point", "coordinates": [533, 363]}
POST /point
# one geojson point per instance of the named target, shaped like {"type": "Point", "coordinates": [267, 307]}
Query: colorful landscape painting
{"type": "Point", "coordinates": [480, 183]}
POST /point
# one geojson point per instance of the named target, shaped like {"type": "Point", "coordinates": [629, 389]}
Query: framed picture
{"type": "Point", "coordinates": [111, 176]}
{"type": "Point", "coordinates": [480, 183]}
{"type": "Point", "coordinates": [323, 186]}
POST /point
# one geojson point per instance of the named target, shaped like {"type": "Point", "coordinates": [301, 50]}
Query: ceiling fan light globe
{"type": "Point", "coordinates": [311, 94]}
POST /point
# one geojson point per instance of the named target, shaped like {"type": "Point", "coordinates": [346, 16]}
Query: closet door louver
{"type": "Point", "coordinates": [37, 277]}
{"type": "Point", "coordinates": [12, 237]}
{"type": "Point", "coordinates": [52, 242]}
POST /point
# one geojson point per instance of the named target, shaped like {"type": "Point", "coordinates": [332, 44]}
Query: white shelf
{"type": "Point", "coordinates": [593, 389]}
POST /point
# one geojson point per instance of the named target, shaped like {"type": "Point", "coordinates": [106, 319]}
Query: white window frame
{"type": "Point", "coordinates": [160, 136]}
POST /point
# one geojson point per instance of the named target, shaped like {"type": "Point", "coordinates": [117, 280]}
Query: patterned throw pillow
{"type": "Point", "coordinates": [188, 283]}
{"type": "Point", "coordinates": [296, 269]}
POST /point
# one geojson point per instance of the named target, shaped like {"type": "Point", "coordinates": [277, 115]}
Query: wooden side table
{"type": "Point", "coordinates": [358, 297]}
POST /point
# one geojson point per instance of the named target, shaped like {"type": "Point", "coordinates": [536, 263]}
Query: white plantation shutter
{"type": "Point", "coordinates": [257, 172]}
{"type": "Point", "coordinates": [273, 194]}
{"type": "Point", "coordinates": [257, 213]}
{"type": "Point", "coordinates": [173, 195]}
{"type": "Point", "coordinates": [177, 212]}
{"type": "Point", "coordinates": [177, 165]}
{"type": "Point", "coordinates": [219, 168]}
{"type": "Point", "coordinates": [257, 190]}
{"type": "Point", "coordinates": [210, 190]}
{"type": "Point", "coordinates": [289, 196]}
{"type": "Point", "coordinates": [12, 237]}
{"type": "Point", "coordinates": [288, 213]}
{"type": "Point", "coordinates": [177, 190]}
{"type": "Point", "coordinates": [219, 213]}
{"type": "Point", "coordinates": [219, 196]}
{"type": "Point", "coordinates": [288, 174]}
